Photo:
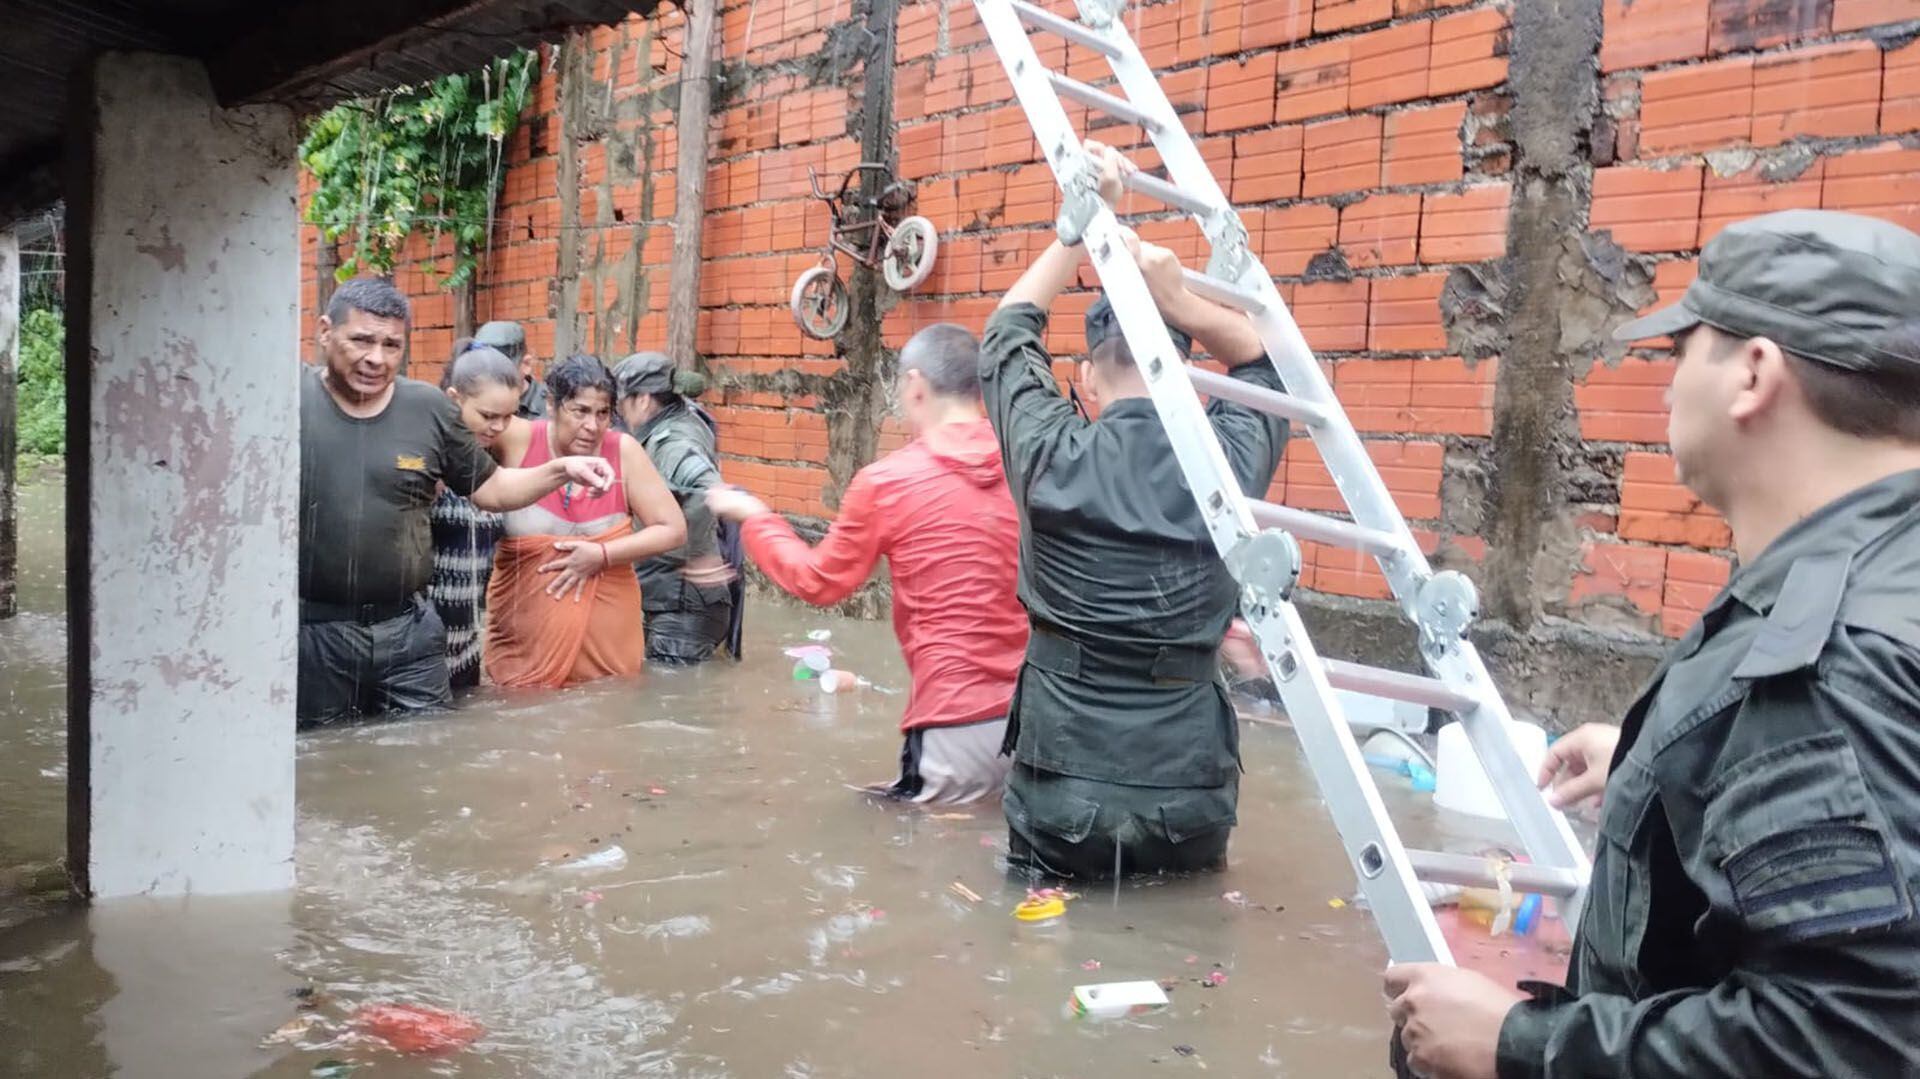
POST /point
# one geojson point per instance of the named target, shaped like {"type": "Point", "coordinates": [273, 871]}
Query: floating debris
{"type": "Point", "coordinates": [1215, 977]}
{"type": "Point", "coordinates": [416, 1028]}
{"type": "Point", "coordinates": [1235, 898]}
{"type": "Point", "coordinates": [656, 790]}
{"type": "Point", "coordinates": [1091, 964]}
{"type": "Point", "coordinates": [333, 1069]}
{"type": "Point", "coordinates": [292, 1030]}
{"type": "Point", "coordinates": [964, 892]}
{"type": "Point", "coordinates": [820, 635]}
{"type": "Point", "coordinates": [614, 857]}
{"type": "Point", "coordinates": [1337, 903]}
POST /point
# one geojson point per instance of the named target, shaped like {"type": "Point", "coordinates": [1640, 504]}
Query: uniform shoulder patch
{"type": "Point", "coordinates": [1802, 617]}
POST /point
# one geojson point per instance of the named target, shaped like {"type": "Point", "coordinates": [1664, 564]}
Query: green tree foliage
{"type": "Point", "coordinates": [426, 158]}
{"type": "Point", "coordinates": [43, 383]}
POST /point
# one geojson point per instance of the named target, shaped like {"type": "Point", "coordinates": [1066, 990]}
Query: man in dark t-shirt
{"type": "Point", "coordinates": [374, 449]}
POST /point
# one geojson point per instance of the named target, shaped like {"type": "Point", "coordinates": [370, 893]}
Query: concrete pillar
{"type": "Point", "coordinates": [183, 474]}
{"type": "Point", "coordinates": [9, 421]}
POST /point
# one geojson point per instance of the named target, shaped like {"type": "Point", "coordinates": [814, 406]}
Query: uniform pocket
{"type": "Point", "coordinates": [1198, 813]}
{"type": "Point", "coordinates": [1616, 918]}
{"type": "Point", "coordinates": [1803, 845]}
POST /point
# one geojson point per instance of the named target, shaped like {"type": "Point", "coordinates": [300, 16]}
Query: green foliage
{"type": "Point", "coordinates": [43, 383]}
{"type": "Point", "coordinates": [426, 157]}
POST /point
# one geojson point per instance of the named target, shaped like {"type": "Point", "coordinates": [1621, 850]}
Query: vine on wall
{"type": "Point", "coordinates": [426, 158]}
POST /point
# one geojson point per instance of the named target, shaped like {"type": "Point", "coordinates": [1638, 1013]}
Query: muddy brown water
{"type": "Point", "coordinates": [765, 921]}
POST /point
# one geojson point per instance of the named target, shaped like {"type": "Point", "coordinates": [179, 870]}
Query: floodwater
{"type": "Point", "coordinates": [761, 919]}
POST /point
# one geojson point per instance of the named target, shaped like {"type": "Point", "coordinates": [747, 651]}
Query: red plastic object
{"type": "Point", "coordinates": [414, 1028]}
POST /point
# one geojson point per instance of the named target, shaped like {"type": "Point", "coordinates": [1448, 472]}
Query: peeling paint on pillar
{"type": "Point", "coordinates": [182, 313]}
{"type": "Point", "coordinates": [9, 420]}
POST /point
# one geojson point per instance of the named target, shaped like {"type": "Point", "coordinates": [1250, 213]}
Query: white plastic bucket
{"type": "Point", "coordinates": [1461, 784]}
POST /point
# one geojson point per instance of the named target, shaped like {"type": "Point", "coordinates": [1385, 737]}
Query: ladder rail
{"type": "Point", "coordinates": [1544, 831]}
{"type": "Point", "coordinates": [1380, 860]}
{"type": "Point", "coordinates": [1388, 875]}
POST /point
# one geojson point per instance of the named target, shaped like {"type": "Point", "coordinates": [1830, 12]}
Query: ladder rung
{"type": "Point", "coordinates": [1066, 28]}
{"type": "Point", "coordinates": [1464, 869]}
{"type": "Point", "coordinates": [1398, 686]}
{"type": "Point", "coordinates": [1272, 402]}
{"type": "Point", "coordinates": [1115, 107]}
{"type": "Point", "coordinates": [1221, 292]}
{"type": "Point", "coordinates": [1171, 194]}
{"type": "Point", "coordinates": [1315, 527]}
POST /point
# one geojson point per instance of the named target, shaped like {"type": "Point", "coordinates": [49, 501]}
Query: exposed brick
{"type": "Point", "coordinates": [1657, 508]}
{"type": "Point", "coordinates": [1266, 23]}
{"type": "Point", "coordinates": [1416, 7]}
{"type": "Point", "coordinates": [1332, 315]}
{"type": "Point", "coordinates": [1648, 209]}
{"type": "Point", "coordinates": [1466, 227]}
{"type": "Point", "coordinates": [1389, 65]}
{"type": "Point", "coordinates": [1883, 181]}
{"type": "Point", "coordinates": [1832, 91]}
{"type": "Point", "coordinates": [1739, 25]}
{"type": "Point", "coordinates": [1860, 14]}
{"type": "Point", "coordinates": [1451, 398]}
{"type": "Point", "coordinates": [1294, 235]}
{"type": "Point", "coordinates": [1608, 570]}
{"type": "Point", "coordinates": [1696, 108]}
{"type": "Point", "coordinates": [1381, 231]}
{"type": "Point", "coordinates": [1312, 80]}
{"type": "Point", "coordinates": [1404, 314]}
{"type": "Point", "coordinates": [1208, 30]}
{"type": "Point", "coordinates": [1900, 91]}
{"type": "Point", "coordinates": [1422, 146]}
{"type": "Point", "coordinates": [1642, 33]}
{"type": "Point", "coordinates": [1240, 94]}
{"type": "Point", "coordinates": [1341, 155]}
{"type": "Point", "coordinates": [1748, 194]}
{"type": "Point", "coordinates": [1468, 52]}
{"type": "Point", "coordinates": [1625, 403]}
{"type": "Point", "coordinates": [1266, 165]}
{"type": "Point", "coordinates": [1333, 15]}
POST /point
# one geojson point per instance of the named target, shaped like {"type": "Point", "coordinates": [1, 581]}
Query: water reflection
{"type": "Point", "coordinates": [764, 920]}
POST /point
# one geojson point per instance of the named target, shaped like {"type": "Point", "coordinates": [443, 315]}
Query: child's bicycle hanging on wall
{"type": "Point", "coordinates": [872, 230]}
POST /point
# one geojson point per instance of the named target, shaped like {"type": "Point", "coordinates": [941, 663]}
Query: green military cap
{"type": "Point", "coordinates": [654, 372]}
{"type": "Point", "coordinates": [1823, 285]}
{"type": "Point", "coordinates": [508, 337]}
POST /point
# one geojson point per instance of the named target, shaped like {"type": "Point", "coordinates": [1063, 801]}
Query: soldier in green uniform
{"type": "Point", "coordinates": [1752, 905]}
{"type": "Point", "coordinates": [1125, 748]}
{"type": "Point", "coordinates": [692, 596]}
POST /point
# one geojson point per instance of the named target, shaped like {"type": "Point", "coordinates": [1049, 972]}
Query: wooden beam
{"type": "Point", "coordinates": [690, 185]}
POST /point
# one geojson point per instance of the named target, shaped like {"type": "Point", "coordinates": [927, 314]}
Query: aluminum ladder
{"type": "Point", "coordinates": [1257, 539]}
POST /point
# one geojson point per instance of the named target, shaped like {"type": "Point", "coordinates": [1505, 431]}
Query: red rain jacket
{"type": "Point", "coordinates": [939, 510]}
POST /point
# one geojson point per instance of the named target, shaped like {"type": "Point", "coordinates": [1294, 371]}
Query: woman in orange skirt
{"type": "Point", "coordinates": [557, 616]}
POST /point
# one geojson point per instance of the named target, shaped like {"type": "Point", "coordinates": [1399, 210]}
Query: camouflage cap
{"type": "Point", "coordinates": [507, 337]}
{"type": "Point", "coordinates": [1823, 285]}
{"type": "Point", "coordinates": [643, 373]}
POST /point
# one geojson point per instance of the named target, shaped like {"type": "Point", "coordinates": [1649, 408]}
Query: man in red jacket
{"type": "Point", "coordinates": [939, 510]}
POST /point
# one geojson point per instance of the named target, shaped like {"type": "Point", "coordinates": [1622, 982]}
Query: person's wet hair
{"type": "Point", "coordinates": [577, 374]}
{"type": "Point", "coordinates": [375, 296]}
{"type": "Point", "coordinates": [478, 367]}
{"type": "Point", "coordinates": [948, 357]}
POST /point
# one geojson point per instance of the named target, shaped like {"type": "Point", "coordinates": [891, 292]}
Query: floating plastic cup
{"type": "Point", "coordinates": [838, 682]}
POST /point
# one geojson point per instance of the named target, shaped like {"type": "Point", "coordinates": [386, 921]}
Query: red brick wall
{"type": "Point", "coordinates": [1370, 128]}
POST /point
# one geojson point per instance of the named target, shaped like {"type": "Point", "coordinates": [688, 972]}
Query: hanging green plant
{"type": "Point", "coordinates": [425, 158]}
